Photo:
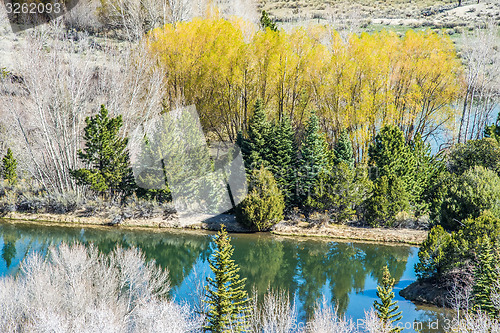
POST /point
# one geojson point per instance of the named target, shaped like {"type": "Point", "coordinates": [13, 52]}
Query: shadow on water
{"type": "Point", "coordinates": [344, 274]}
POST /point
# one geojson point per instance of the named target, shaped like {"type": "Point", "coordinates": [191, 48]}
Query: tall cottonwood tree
{"type": "Point", "coordinates": [481, 56]}
{"type": "Point", "coordinates": [363, 84]}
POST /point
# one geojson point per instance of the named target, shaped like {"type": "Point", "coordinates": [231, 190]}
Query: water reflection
{"type": "Point", "coordinates": [345, 273]}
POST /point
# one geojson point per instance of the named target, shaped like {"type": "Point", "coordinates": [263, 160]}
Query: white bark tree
{"type": "Point", "coordinates": [481, 56]}
{"type": "Point", "coordinates": [55, 88]}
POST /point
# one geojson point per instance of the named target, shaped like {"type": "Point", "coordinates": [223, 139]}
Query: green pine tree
{"type": "Point", "coordinates": [9, 166]}
{"type": "Point", "coordinates": [390, 154]}
{"type": "Point", "coordinates": [255, 148]}
{"type": "Point", "coordinates": [485, 276]}
{"type": "Point", "coordinates": [283, 157]}
{"type": "Point", "coordinates": [266, 22]}
{"type": "Point", "coordinates": [387, 308]}
{"type": "Point", "coordinates": [314, 159]}
{"type": "Point", "coordinates": [106, 157]}
{"type": "Point", "coordinates": [225, 293]}
{"type": "Point", "coordinates": [343, 150]}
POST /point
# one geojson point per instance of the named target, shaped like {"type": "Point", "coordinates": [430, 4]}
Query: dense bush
{"type": "Point", "coordinates": [433, 254]}
{"type": "Point", "coordinates": [263, 206]}
{"type": "Point", "coordinates": [445, 252]}
{"type": "Point", "coordinates": [341, 192]}
{"type": "Point", "coordinates": [470, 194]}
{"type": "Point", "coordinates": [484, 152]}
{"type": "Point", "coordinates": [388, 198]}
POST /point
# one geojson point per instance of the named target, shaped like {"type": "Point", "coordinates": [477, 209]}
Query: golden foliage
{"type": "Point", "coordinates": [371, 80]}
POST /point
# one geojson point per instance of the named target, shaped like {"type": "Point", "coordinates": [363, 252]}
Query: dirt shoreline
{"type": "Point", "coordinates": [343, 232]}
{"type": "Point", "coordinates": [212, 223]}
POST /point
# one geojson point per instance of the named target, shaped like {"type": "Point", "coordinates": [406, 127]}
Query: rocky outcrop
{"type": "Point", "coordinates": [426, 292]}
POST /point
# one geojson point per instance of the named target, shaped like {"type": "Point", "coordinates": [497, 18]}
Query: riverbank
{"type": "Point", "coordinates": [383, 235]}
{"type": "Point", "coordinates": [213, 223]}
{"type": "Point", "coordinates": [427, 293]}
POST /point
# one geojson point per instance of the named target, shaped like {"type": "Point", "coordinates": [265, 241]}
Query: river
{"type": "Point", "coordinates": [344, 273]}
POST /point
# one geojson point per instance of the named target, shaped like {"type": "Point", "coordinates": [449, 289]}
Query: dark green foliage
{"type": "Point", "coordinates": [106, 156]}
{"type": "Point", "coordinates": [283, 157]}
{"type": "Point", "coordinates": [428, 169]}
{"type": "Point", "coordinates": [266, 22]}
{"type": "Point", "coordinates": [485, 276]}
{"type": "Point", "coordinates": [435, 193]}
{"type": "Point", "coordinates": [387, 308]}
{"type": "Point", "coordinates": [225, 293]}
{"type": "Point", "coordinates": [255, 147]}
{"type": "Point", "coordinates": [473, 229]}
{"type": "Point", "coordinates": [493, 131]}
{"type": "Point", "coordinates": [314, 159]}
{"type": "Point", "coordinates": [484, 152]}
{"type": "Point", "coordinates": [388, 198]}
{"type": "Point", "coordinates": [9, 167]}
{"type": "Point", "coordinates": [341, 192]}
{"type": "Point", "coordinates": [343, 150]}
{"type": "Point", "coordinates": [264, 204]}
{"type": "Point", "coordinates": [470, 194]}
{"type": "Point", "coordinates": [392, 157]}
{"type": "Point", "coordinates": [433, 254]}
{"type": "Point", "coordinates": [153, 175]}
{"type": "Point", "coordinates": [445, 252]}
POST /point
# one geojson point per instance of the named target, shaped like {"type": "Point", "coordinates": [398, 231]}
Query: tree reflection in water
{"type": "Point", "coordinates": [305, 268]}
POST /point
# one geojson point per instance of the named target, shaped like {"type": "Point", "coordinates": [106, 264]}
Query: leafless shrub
{"type": "Point", "coordinates": [84, 16]}
{"type": "Point", "coordinates": [482, 60]}
{"type": "Point", "coordinates": [78, 289]}
{"type": "Point", "coordinates": [373, 324]}
{"type": "Point", "coordinates": [327, 320]}
{"type": "Point", "coordinates": [276, 314]}
{"type": "Point", "coordinates": [478, 323]}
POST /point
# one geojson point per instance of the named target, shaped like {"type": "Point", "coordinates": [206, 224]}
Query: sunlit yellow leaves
{"type": "Point", "coordinates": [370, 80]}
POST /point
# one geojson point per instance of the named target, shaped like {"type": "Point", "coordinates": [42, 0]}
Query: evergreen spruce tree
{"type": "Point", "coordinates": [106, 156]}
{"type": "Point", "coordinates": [343, 150]}
{"type": "Point", "coordinates": [255, 148]}
{"type": "Point", "coordinates": [9, 166]}
{"type": "Point", "coordinates": [485, 277]}
{"type": "Point", "coordinates": [283, 157]}
{"type": "Point", "coordinates": [266, 22]}
{"type": "Point", "coordinates": [225, 293]}
{"type": "Point", "coordinates": [313, 160]}
{"type": "Point", "coordinates": [393, 157]}
{"type": "Point", "coordinates": [386, 308]}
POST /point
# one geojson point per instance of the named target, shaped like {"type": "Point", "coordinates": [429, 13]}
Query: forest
{"type": "Point", "coordinates": [376, 129]}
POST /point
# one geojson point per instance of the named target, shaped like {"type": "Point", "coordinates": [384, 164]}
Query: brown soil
{"type": "Point", "coordinates": [385, 235]}
{"type": "Point", "coordinates": [207, 222]}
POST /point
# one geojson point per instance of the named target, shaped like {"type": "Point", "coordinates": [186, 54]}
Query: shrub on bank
{"type": "Point", "coordinates": [263, 206]}
{"type": "Point", "coordinates": [472, 193]}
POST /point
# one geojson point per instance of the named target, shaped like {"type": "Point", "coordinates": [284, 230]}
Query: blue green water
{"type": "Point", "coordinates": [345, 274]}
